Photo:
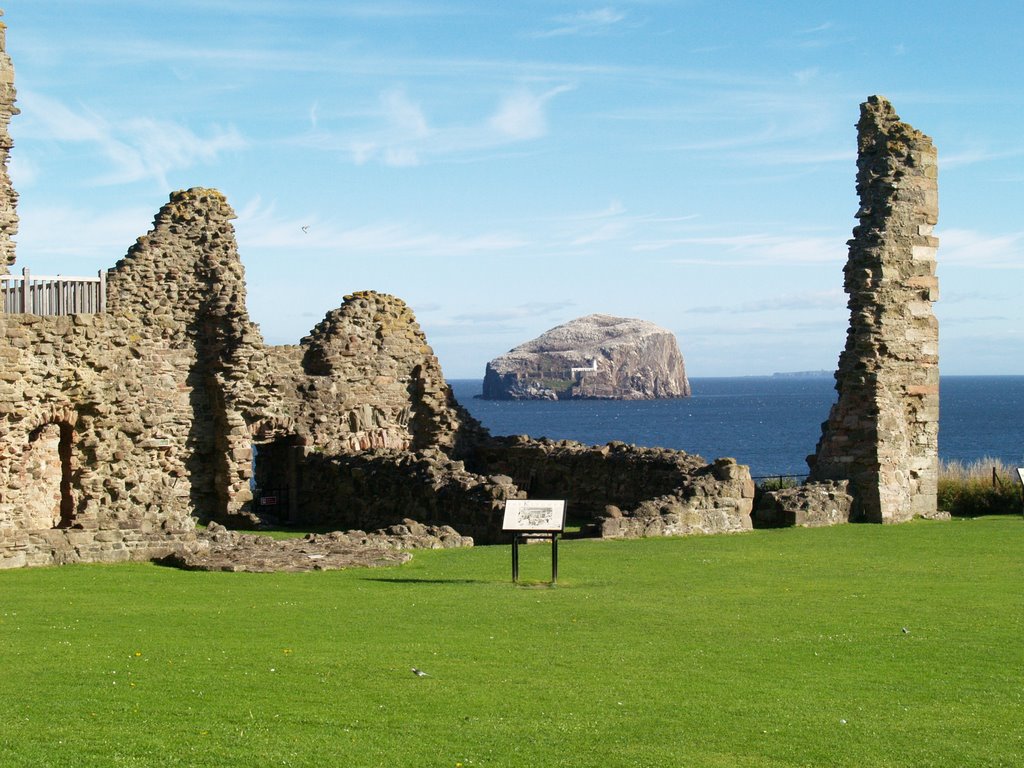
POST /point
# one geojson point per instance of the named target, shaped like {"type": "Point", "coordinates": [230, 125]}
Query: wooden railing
{"type": "Point", "coordinates": [30, 294]}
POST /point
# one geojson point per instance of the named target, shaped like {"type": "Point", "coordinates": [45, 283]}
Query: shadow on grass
{"type": "Point", "coordinates": [528, 584]}
{"type": "Point", "coordinates": [396, 580]}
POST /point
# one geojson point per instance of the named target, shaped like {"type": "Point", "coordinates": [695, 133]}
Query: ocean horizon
{"type": "Point", "coordinates": [770, 423]}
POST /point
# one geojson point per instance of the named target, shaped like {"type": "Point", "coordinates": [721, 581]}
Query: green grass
{"type": "Point", "coordinates": [772, 648]}
{"type": "Point", "coordinates": [984, 487]}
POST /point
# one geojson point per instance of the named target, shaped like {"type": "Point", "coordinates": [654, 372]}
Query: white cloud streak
{"type": "Point", "coordinates": [584, 23]}
{"type": "Point", "coordinates": [135, 149]}
{"type": "Point", "coordinates": [53, 237]}
{"type": "Point", "coordinates": [407, 138]}
{"type": "Point", "coordinates": [964, 247]}
{"type": "Point", "coordinates": [259, 227]}
{"type": "Point", "coordinates": [754, 250]}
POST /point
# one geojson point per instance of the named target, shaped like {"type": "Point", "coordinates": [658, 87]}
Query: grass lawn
{"type": "Point", "coordinates": [772, 648]}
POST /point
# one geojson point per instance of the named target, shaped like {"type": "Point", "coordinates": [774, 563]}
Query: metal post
{"type": "Point", "coordinates": [103, 291]}
{"type": "Point", "coordinates": [515, 558]}
{"type": "Point", "coordinates": [24, 291]}
{"type": "Point", "coordinates": [554, 559]}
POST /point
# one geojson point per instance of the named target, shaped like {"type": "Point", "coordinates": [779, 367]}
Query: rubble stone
{"type": "Point", "coordinates": [811, 505]}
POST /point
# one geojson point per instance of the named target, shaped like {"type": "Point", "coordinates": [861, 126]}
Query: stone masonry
{"type": "Point", "coordinates": [882, 433]}
{"type": "Point", "coordinates": [8, 197]}
{"type": "Point", "coordinates": [120, 431]}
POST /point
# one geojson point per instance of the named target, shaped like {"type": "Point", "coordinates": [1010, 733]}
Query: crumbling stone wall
{"type": "Point", "coordinates": [882, 433]}
{"type": "Point", "coordinates": [378, 489]}
{"type": "Point", "coordinates": [158, 402]}
{"type": "Point", "coordinates": [622, 488]}
{"type": "Point", "coordinates": [119, 431]}
{"type": "Point", "coordinates": [182, 286]}
{"type": "Point", "coordinates": [811, 505]}
{"type": "Point", "coordinates": [587, 477]}
{"type": "Point", "coordinates": [87, 412]}
{"type": "Point", "coordinates": [8, 197]}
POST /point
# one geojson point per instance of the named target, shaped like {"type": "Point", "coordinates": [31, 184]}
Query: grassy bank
{"type": "Point", "coordinates": [851, 646]}
{"type": "Point", "coordinates": [984, 487]}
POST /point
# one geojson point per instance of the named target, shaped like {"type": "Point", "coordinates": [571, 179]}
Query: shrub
{"type": "Point", "coordinates": [984, 487]}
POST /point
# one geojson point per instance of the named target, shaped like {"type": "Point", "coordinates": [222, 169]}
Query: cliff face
{"type": "Point", "coordinates": [597, 356]}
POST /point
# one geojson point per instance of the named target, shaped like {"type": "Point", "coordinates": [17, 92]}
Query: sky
{"type": "Point", "coordinates": [505, 167]}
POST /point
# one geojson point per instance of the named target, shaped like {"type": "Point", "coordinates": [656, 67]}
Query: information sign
{"type": "Point", "coordinates": [534, 519]}
{"type": "Point", "coordinates": [534, 515]}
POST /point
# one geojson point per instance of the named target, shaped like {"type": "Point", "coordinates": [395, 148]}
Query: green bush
{"type": "Point", "coordinates": [985, 487]}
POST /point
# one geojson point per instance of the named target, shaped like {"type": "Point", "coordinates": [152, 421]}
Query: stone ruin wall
{"type": "Point", "coordinates": [119, 431]}
{"type": "Point", "coordinates": [625, 491]}
{"type": "Point", "coordinates": [154, 407]}
{"type": "Point", "coordinates": [882, 433]}
{"type": "Point", "coordinates": [8, 197]}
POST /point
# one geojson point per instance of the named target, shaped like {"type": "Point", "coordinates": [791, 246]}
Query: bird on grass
{"type": "Point", "coordinates": [419, 672]}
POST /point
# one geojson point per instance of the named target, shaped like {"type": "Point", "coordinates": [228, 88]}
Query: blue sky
{"type": "Point", "coordinates": [505, 167]}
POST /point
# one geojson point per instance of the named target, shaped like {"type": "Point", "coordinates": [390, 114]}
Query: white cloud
{"type": "Point", "coordinates": [595, 22]}
{"type": "Point", "coordinates": [259, 227]}
{"type": "Point", "coordinates": [521, 116]}
{"type": "Point", "coordinates": [976, 155]}
{"type": "Point", "coordinates": [964, 247]}
{"type": "Point", "coordinates": [406, 138]}
{"type": "Point", "coordinates": [754, 249]}
{"type": "Point", "coordinates": [833, 299]}
{"type": "Point", "coordinates": [406, 117]}
{"type": "Point", "coordinates": [134, 149]}
{"type": "Point", "coordinates": [60, 237]}
{"type": "Point", "coordinates": [23, 171]}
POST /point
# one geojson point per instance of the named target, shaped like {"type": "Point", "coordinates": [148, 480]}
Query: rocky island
{"type": "Point", "coordinates": [597, 356]}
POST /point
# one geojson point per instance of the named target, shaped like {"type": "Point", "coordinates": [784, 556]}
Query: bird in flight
{"type": "Point", "coordinates": [305, 229]}
{"type": "Point", "coordinates": [419, 672]}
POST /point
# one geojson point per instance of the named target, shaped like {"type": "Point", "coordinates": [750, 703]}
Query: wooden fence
{"type": "Point", "coordinates": [30, 294]}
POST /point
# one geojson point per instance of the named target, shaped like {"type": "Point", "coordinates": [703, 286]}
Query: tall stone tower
{"type": "Point", "coordinates": [882, 433]}
{"type": "Point", "coordinates": [8, 197]}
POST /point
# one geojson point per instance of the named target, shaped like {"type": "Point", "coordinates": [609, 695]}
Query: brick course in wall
{"type": "Point", "coordinates": [882, 433]}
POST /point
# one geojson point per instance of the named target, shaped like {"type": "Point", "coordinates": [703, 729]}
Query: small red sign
{"type": "Point", "coordinates": [268, 501]}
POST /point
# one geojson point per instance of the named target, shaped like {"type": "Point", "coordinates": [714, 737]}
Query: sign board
{"type": "Point", "coordinates": [534, 515]}
{"type": "Point", "coordinates": [1020, 474]}
{"type": "Point", "coordinates": [268, 501]}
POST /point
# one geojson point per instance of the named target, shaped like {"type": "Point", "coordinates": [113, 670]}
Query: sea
{"type": "Point", "coordinates": [770, 423]}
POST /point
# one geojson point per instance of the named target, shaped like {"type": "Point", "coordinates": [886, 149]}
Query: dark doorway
{"type": "Point", "coordinates": [276, 479]}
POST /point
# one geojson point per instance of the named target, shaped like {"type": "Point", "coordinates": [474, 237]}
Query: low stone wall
{"type": "Point", "coordinates": [380, 489]}
{"type": "Point", "coordinates": [717, 498]}
{"type": "Point", "coordinates": [588, 477]}
{"type": "Point", "coordinates": [19, 548]}
{"type": "Point", "coordinates": [624, 490]}
{"type": "Point", "coordinates": [811, 505]}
